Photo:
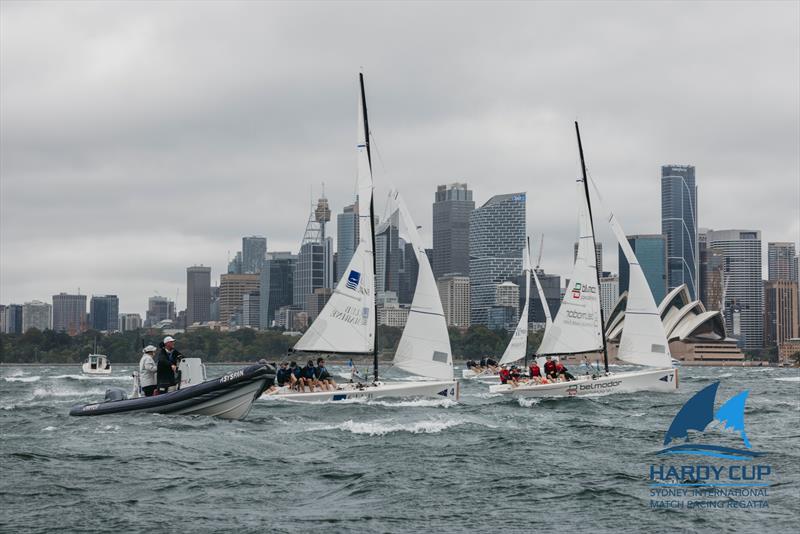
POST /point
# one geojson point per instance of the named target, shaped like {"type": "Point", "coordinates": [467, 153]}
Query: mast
{"type": "Point", "coordinates": [372, 229]}
{"type": "Point", "coordinates": [594, 244]}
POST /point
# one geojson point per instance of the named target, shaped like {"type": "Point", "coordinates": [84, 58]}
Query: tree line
{"type": "Point", "coordinates": [48, 346]}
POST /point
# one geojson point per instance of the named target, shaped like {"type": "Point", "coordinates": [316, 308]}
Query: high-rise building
{"type": "Point", "coordinates": [232, 288]}
{"type": "Point", "coordinates": [36, 314]}
{"type": "Point", "coordinates": [104, 313]}
{"type": "Point", "coordinates": [452, 207]}
{"type": "Point", "coordinates": [235, 266]}
{"type": "Point", "coordinates": [651, 252]}
{"type": "Point", "coordinates": [679, 225]}
{"type": "Point", "coordinates": [496, 240]}
{"type": "Point", "coordinates": [781, 261]}
{"type": "Point", "coordinates": [254, 250]}
{"type": "Point", "coordinates": [69, 313]}
{"type": "Point", "coordinates": [13, 319]}
{"type": "Point", "coordinates": [347, 237]}
{"type": "Point", "coordinates": [277, 285]}
{"type": "Point", "coordinates": [316, 301]}
{"type": "Point", "coordinates": [2, 318]}
{"type": "Point", "coordinates": [388, 255]}
{"type": "Point", "coordinates": [251, 312]}
{"type": "Point", "coordinates": [315, 261]}
{"type": "Point", "coordinates": [781, 312]}
{"type": "Point", "coordinates": [598, 255]}
{"type": "Point", "coordinates": [454, 293]}
{"type": "Point", "coordinates": [198, 294]}
{"type": "Point", "coordinates": [409, 271]}
{"type": "Point", "coordinates": [609, 293]}
{"type": "Point", "coordinates": [213, 309]}
{"type": "Point", "coordinates": [743, 286]}
{"type": "Point", "coordinates": [159, 309]}
{"type": "Point", "coordinates": [551, 287]}
{"type": "Point", "coordinates": [129, 322]}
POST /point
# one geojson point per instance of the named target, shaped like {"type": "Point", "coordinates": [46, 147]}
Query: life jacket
{"type": "Point", "coordinates": [535, 371]}
{"type": "Point", "coordinates": [504, 375]}
{"type": "Point", "coordinates": [549, 367]}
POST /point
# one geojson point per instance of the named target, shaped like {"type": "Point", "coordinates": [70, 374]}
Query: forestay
{"type": "Point", "coordinates": [643, 341]}
{"type": "Point", "coordinates": [577, 326]}
{"type": "Point", "coordinates": [519, 341]}
{"type": "Point", "coordinates": [347, 322]}
{"type": "Point", "coordinates": [424, 347]}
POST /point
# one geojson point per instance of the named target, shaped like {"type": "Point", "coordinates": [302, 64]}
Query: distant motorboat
{"type": "Point", "coordinates": [96, 364]}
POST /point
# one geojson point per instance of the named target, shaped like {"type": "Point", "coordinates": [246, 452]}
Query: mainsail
{"type": "Point", "coordinates": [577, 326]}
{"type": "Point", "coordinates": [643, 340]}
{"type": "Point", "coordinates": [424, 347]}
{"type": "Point", "coordinates": [519, 341]}
{"type": "Point", "coordinates": [347, 322]}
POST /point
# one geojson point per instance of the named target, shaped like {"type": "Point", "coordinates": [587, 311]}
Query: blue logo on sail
{"type": "Point", "coordinates": [353, 279]}
{"type": "Point", "coordinates": [698, 413]}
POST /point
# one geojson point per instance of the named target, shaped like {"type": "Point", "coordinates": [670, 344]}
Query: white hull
{"type": "Point", "coordinates": [235, 404]}
{"type": "Point", "coordinates": [663, 380]}
{"type": "Point", "coordinates": [87, 370]}
{"type": "Point", "coordinates": [439, 389]}
{"type": "Point", "coordinates": [469, 374]}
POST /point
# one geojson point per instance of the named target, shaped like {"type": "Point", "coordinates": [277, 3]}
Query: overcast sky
{"type": "Point", "coordinates": [137, 139]}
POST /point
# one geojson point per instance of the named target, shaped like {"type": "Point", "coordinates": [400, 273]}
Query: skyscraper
{"type": "Point", "coordinates": [36, 314]}
{"type": "Point", "coordinates": [651, 252]}
{"type": "Point", "coordinates": [409, 271]}
{"type": "Point", "coordinates": [198, 294]}
{"type": "Point", "coordinates": [346, 237]}
{"type": "Point", "coordinates": [609, 293]}
{"type": "Point", "coordinates": [277, 285]}
{"type": "Point", "coordinates": [679, 225]}
{"type": "Point", "coordinates": [251, 309]}
{"type": "Point", "coordinates": [129, 322]}
{"type": "Point", "coordinates": [104, 313]}
{"type": "Point", "coordinates": [388, 255]}
{"type": "Point", "coordinates": [452, 207]}
{"type": "Point", "coordinates": [159, 309]}
{"type": "Point", "coordinates": [598, 254]}
{"type": "Point", "coordinates": [781, 312]}
{"type": "Point", "coordinates": [232, 288]}
{"type": "Point", "coordinates": [781, 261]}
{"type": "Point", "coordinates": [254, 249]}
{"type": "Point", "coordinates": [314, 267]}
{"type": "Point", "coordinates": [13, 319]}
{"type": "Point", "coordinates": [551, 286]}
{"type": "Point", "coordinates": [454, 293]}
{"type": "Point", "coordinates": [69, 313]}
{"type": "Point", "coordinates": [743, 286]}
{"type": "Point", "coordinates": [496, 241]}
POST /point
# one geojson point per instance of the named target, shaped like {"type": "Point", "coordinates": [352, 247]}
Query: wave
{"type": "Point", "coordinates": [19, 378]}
{"type": "Point", "coordinates": [91, 377]}
{"type": "Point", "coordinates": [50, 392]}
{"type": "Point", "coordinates": [527, 402]}
{"type": "Point", "coordinates": [788, 379]}
{"type": "Point", "coordinates": [423, 403]}
{"type": "Point", "coordinates": [381, 429]}
{"type": "Point", "coordinates": [483, 395]}
{"type": "Point", "coordinates": [725, 375]}
{"type": "Point", "coordinates": [48, 429]}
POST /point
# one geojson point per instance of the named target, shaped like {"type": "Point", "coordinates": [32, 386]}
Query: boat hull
{"type": "Point", "coordinates": [663, 380]}
{"type": "Point", "coordinates": [440, 389]}
{"type": "Point", "coordinates": [228, 397]}
{"type": "Point", "coordinates": [87, 370]}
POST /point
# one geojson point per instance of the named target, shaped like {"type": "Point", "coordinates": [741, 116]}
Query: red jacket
{"type": "Point", "coordinates": [535, 371]}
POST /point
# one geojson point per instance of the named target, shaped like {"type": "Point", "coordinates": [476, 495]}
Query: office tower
{"type": "Point", "coordinates": [454, 294]}
{"type": "Point", "coordinates": [781, 261]}
{"type": "Point", "coordinates": [2, 318]}
{"type": "Point", "coordinates": [651, 252]}
{"type": "Point", "coordinates": [69, 313]}
{"type": "Point", "coordinates": [347, 237]}
{"type": "Point", "coordinates": [254, 250]}
{"type": "Point", "coordinates": [496, 240]}
{"type": "Point", "coordinates": [598, 254]}
{"type": "Point", "coordinates": [743, 286]}
{"type": "Point", "coordinates": [232, 288]}
{"type": "Point", "coordinates": [13, 319]}
{"type": "Point", "coordinates": [277, 285]}
{"type": "Point", "coordinates": [609, 293]}
{"type": "Point", "coordinates": [159, 309]}
{"type": "Point", "coordinates": [781, 312]}
{"type": "Point", "coordinates": [236, 264]}
{"type": "Point", "coordinates": [452, 207]}
{"type": "Point", "coordinates": [315, 261]}
{"type": "Point", "coordinates": [104, 313]}
{"type": "Point", "coordinates": [388, 255]}
{"type": "Point", "coordinates": [213, 309]}
{"type": "Point", "coordinates": [129, 322]}
{"type": "Point", "coordinates": [409, 271]}
{"type": "Point", "coordinates": [251, 309]}
{"type": "Point", "coordinates": [198, 294]}
{"type": "Point", "coordinates": [679, 225]}
{"type": "Point", "coordinates": [316, 301]}
{"type": "Point", "coordinates": [551, 286]}
{"type": "Point", "coordinates": [36, 314]}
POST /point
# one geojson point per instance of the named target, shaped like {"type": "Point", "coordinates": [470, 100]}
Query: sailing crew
{"type": "Point", "coordinates": [505, 375]}
{"type": "Point", "coordinates": [147, 371]}
{"type": "Point", "coordinates": [296, 375]}
{"type": "Point", "coordinates": [549, 368]}
{"type": "Point", "coordinates": [167, 365]}
{"type": "Point", "coordinates": [515, 375]}
{"type": "Point", "coordinates": [323, 377]}
{"type": "Point", "coordinates": [307, 376]}
{"type": "Point", "coordinates": [563, 372]}
{"type": "Point", "coordinates": [283, 377]}
{"type": "Point", "coordinates": [535, 372]}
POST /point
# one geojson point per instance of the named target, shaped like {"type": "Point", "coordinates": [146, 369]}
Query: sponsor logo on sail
{"type": "Point", "coordinates": [352, 280]}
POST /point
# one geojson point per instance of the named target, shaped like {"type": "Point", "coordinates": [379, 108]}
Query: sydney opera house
{"type": "Point", "coordinates": [695, 335]}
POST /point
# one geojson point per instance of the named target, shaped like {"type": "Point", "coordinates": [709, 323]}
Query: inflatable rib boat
{"type": "Point", "coordinates": [229, 397]}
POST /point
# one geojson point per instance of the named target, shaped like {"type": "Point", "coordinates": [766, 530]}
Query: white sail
{"type": "Point", "coordinates": [548, 321]}
{"type": "Point", "coordinates": [577, 326]}
{"type": "Point", "coordinates": [347, 322]}
{"type": "Point", "coordinates": [643, 340]}
{"type": "Point", "coordinates": [424, 347]}
{"type": "Point", "coordinates": [519, 341]}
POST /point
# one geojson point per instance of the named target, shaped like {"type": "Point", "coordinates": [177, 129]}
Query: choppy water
{"type": "Point", "coordinates": [485, 464]}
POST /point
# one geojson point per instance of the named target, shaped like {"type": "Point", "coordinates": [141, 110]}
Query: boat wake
{"type": "Point", "coordinates": [381, 429]}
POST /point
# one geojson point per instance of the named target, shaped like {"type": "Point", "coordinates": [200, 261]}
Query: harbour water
{"type": "Point", "coordinates": [486, 464]}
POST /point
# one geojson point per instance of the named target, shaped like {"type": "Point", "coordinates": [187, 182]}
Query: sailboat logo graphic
{"type": "Point", "coordinates": [698, 413]}
{"type": "Point", "coordinates": [352, 280]}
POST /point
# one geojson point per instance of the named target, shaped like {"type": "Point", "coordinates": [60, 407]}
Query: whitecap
{"type": "Point", "coordinates": [788, 379]}
{"type": "Point", "coordinates": [725, 375]}
{"type": "Point", "coordinates": [92, 377]}
{"type": "Point", "coordinates": [527, 403]}
{"type": "Point", "coordinates": [48, 429]}
{"type": "Point", "coordinates": [484, 395]}
{"type": "Point", "coordinates": [18, 378]}
{"type": "Point", "coordinates": [423, 403]}
{"type": "Point", "coordinates": [381, 429]}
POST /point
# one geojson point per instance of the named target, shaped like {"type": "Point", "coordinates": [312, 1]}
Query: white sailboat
{"type": "Point", "coordinates": [347, 323]}
{"type": "Point", "coordinates": [578, 326]}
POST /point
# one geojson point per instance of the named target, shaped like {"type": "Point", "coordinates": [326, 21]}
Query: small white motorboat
{"type": "Point", "coordinates": [96, 364]}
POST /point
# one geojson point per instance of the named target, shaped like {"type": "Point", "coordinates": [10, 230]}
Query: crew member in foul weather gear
{"type": "Point", "coordinates": [563, 372]}
{"type": "Point", "coordinates": [147, 371]}
{"type": "Point", "coordinates": [550, 368]}
{"type": "Point", "coordinates": [505, 375]}
{"type": "Point", "coordinates": [167, 363]}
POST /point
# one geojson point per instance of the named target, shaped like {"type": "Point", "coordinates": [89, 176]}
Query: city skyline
{"type": "Point", "coordinates": [493, 125]}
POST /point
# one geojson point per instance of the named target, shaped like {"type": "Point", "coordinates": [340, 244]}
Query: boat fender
{"type": "Point", "coordinates": [115, 394]}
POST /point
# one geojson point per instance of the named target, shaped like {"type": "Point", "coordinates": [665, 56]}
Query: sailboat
{"type": "Point", "coordinates": [347, 323]}
{"type": "Point", "coordinates": [578, 326]}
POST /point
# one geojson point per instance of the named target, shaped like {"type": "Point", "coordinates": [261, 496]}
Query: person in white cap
{"type": "Point", "coordinates": [147, 371]}
{"type": "Point", "coordinates": [167, 364]}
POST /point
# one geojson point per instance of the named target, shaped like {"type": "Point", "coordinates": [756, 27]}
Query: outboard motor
{"type": "Point", "coordinates": [115, 394]}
